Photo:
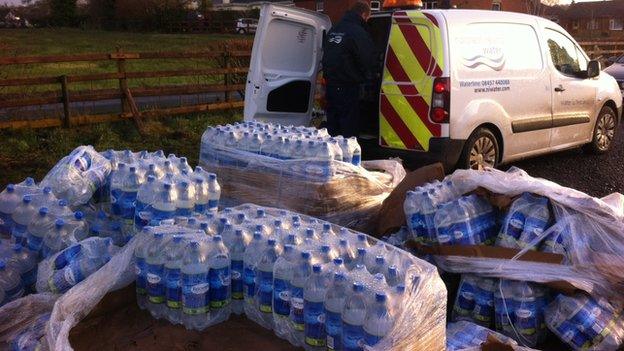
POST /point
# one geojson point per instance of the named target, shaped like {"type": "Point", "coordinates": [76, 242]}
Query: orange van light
{"type": "Point", "coordinates": [404, 4]}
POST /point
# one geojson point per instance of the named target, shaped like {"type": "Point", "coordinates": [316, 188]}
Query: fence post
{"type": "Point", "coordinates": [65, 97]}
{"type": "Point", "coordinates": [226, 77]}
{"type": "Point", "coordinates": [123, 82]}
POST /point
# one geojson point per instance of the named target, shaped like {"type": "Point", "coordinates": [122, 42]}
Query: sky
{"type": "Point", "coordinates": [17, 2]}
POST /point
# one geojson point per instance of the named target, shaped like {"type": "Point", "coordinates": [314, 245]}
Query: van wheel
{"type": "Point", "coordinates": [480, 151]}
{"type": "Point", "coordinates": [604, 132]}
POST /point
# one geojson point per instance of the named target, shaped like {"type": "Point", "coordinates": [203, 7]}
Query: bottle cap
{"type": "Point", "coordinates": [358, 287]}
{"type": "Point", "coordinates": [380, 297]}
{"type": "Point", "coordinates": [59, 223]}
{"type": "Point", "coordinates": [338, 261]}
{"type": "Point", "coordinates": [26, 199]}
{"type": "Point", "coordinates": [10, 188]}
{"type": "Point", "coordinates": [316, 268]}
{"type": "Point", "coordinates": [43, 211]}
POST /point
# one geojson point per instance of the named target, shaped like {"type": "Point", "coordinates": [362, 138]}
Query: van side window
{"type": "Point", "coordinates": [566, 56]}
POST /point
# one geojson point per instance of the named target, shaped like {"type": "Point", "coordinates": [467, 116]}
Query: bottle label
{"type": "Point", "coordinates": [352, 337]}
{"type": "Point", "coordinates": [184, 212]}
{"type": "Point", "coordinates": [356, 160]}
{"type": "Point", "coordinates": [35, 242]}
{"type": "Point", "coordinates": [29, 278]}
{"type": "Point", "coordinates": [115, 194]}
{"type": "Point", "coordinates": [174, 290]}
{"type": "Point", "coordinates": [526, 321]}
{"type": "Point", "coordinates": [465, 301]}
{"type": "Point", "coordinates": [141, 280]}
{"type": "Point", "coordinates": [155, 283]}
{"type": "Point", "coordinates": [265, 292]}
{"type": "Point", "coordinates": [201, 208]}
{"type": "Point", "coordinates": [219, 287]}
{"type": "Point", "coordinates": [314, 316]}
{"type": "Point", "coordinates": [64, 279]}
{"type": "Point", "coordinates": [483, 311]}
{"type": "Point", "coordinates": [237, 280]}
{"type": "Point", "coordinates": [296, 301]}
{"type": "Point", "coordinates": [213, 204]}
{"type": "Point", "coordinates": [249, 282]}
{"type": "Point", "coordinates": [67, 256]}
{"type": "Point", "coordinates": [127, 206]}
{"type": "Point", "coordinates": [195, 293]}
{"type": "Point", "coordinates": [333, 326]}
{"type": "Point", "coordinates": [281, 297]}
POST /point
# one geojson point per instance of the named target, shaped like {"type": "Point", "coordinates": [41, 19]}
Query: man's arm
{"type": "Point", "coordinates": [364, 52]}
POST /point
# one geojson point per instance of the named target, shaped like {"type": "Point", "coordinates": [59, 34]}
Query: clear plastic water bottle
{"type": "Point", "coordinates": [251, 260]}
{"type": "Point", "coordinates": [10, 283]}
{"type": "Point", "coordinates": [173, 287]}
{"type": "Point", "coordinates": [302, 271]}
{"type": "Point", "coordinates": [282, 276]}
{"type": "Point", "coordinates": [140, 255]}
{"type": "Point", "coordinates": [346, 252]}
{"type": "Point", "coordinates": [9, 200]}
{"type": "Point", "coordinates": [334, 303]}
{"type": "Point", "coordinates": [536, 222]}
{"type": "Point", "coordinates": [394, 276]}
{"type": "Point", "coordinates": [22, 216]}
{"type": "Point", "coordinates": [454, 226]}
{"type": "Point", "coordinates": [379, 265]}
{"type": "Point", "coordinates": [483, 312]}
{"type": "Point", "coordinates": [155, 265]}
{"type": "Point", "coordinates": [56, 240]}
{"type": "Point", "coordinates": [214, 191]}
{"type": "Point", "coordinates": [195, 287]}
{"type": "Point", "coordinates": [116, 184]}
{"type": "Point", "coordinates": [220, 280]}
{"type": "Point", "coordinates": [145, 198]}
{"type": "Point", "coordinates": [186, 199]}
{"type": "Point", "coordinates": [44, 198]}
{"type": "Point", "coordinates": [237, 253]}
{"type": "Point", "coordinates": [164, 206]}
{"type": "Point", "coordinates": [264, 283]}
{"type": "Point", "coordinates": [25, 262]}
{"type": "Point", "coordinates": [313, 310]}
{"type": "Point", "coordinates": [40, 225]}
{"type": "Point", "coordinates": [504, 308]}
{"type": "Point", "coordinates": [465, 300]}
{"type": "Point", "coordinates": [528, 313]}
{"type": "Point", "coordinates": [379, 320]}
{"type": "Point", "coordinates": [353, 318]}
{"type": "Point", "coordinates": [127, 200]}
{"type": "Point", "coordinates": [202, 196]}
{"type": "Point", "coordinates": [154, 171]}
{"type": "Point", "coordinates": [357, 152]}
{"type": "Point", "coordinates": [75, 272]}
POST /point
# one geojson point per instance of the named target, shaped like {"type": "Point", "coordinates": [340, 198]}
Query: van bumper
{"type": "Point", "coordinates": [444, 150]}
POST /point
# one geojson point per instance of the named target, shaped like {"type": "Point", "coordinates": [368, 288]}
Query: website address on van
{"type": "Point", "coordinates": [491, 89]}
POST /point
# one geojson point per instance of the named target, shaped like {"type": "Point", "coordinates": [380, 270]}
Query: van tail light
{"type": "Point", "coordinates": [440, 100]}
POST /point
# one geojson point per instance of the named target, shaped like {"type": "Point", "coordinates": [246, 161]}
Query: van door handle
{"type": "Point", "coordinates": [559, 88]}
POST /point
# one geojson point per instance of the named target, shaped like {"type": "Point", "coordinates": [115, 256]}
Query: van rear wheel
{"type": "Point", "coordinates": [480, 151]}
{"type": "Point", "coordinates": [604, 132]}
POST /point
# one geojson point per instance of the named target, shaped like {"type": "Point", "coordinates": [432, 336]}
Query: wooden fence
{"type": "Point", "coordinates": [603, 49]}
{"type": "Point", "coordinates": [230, 68]}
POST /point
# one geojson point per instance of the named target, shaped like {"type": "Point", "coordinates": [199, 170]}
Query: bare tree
{"type": "Point", "coordinates": [538, 7]}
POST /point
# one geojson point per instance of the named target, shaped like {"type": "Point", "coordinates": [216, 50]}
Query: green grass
{"type": "Point", "coordinates": [32, 153]}
{"type": "Point", "coordinates": [67, 41]}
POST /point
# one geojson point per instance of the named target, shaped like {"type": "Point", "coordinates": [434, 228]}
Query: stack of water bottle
{"type": "Point", "coordinates": [146, 188]}
{"type": "Point", "coordinates": [242, 144]}
{"type": "Point", "coordinates": [436, 214]}
{"type": "Point", "coordinates": [30, 338]}
{"type": "Point", "coordinates": [464, 335]}
{"type": "Point", "coordinates": [313, 284]}
{"type": "Point", "coordinates": [34, 225]}
{"type": "Point", "coordinates": [513, 308]}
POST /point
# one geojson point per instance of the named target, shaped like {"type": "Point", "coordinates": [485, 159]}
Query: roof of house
{"type": "Point", "coordinates": [605, 8]}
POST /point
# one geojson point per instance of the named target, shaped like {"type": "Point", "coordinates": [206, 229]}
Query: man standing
{"type": "Point", "coordinates": [348, 57]}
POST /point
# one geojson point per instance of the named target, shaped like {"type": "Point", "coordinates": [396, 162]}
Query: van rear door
{"type": "Point", "coordinates": [284, 65]}
{"type": "Point", "coordinates": [414, 58]}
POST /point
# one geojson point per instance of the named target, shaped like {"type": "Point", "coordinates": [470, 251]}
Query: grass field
{"type": "Point", "coordinates": [67, 41]}
{"type": "Point", "coordinates": [33, 152]}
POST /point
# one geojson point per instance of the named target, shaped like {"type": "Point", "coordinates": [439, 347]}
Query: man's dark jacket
{"type": "Point", "coordinates": [348, 54]}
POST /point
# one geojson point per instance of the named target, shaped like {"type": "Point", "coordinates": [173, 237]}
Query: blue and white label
{"type": "Point", "coordinates": [195, 293]}
{"type": "Point", "coordinates": [155, 283]}
{"type": "Point", "coordinates": [173, 292]}
{"type": "Point", "coordinates": [314, 317]}
{"type": "Point", "coordinates": [237, 280]}
{"type": "Point", "coordinates": [265, 292]}
{"type": "Point", "coordinates": [281, 297]}
{"type": "Point", "coordinates": [219, 287]}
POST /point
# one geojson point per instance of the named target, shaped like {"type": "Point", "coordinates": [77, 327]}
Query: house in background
{"type": "Point", "coordinates": [598, 20]}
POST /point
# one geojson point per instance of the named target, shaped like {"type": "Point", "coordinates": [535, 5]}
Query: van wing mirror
{"type": "Point", "coordinates": [593, 69]}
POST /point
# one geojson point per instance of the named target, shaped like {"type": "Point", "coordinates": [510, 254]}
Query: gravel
{"type": "Point", "coordinates": [596, 175]}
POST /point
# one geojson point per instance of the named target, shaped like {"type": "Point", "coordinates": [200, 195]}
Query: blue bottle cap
{"type": "Point", "coordinates": [305, 255]}
{"type": "Point", "coordinates": [47, 190]}
{"type": "Point", "coordinates": [2, 265]}
{"type": "Point", "coordinates": [223, 220]}
{"type": "Point", "coordinates": [392, 270]}
{"type": "Point", "coordinates": [325, 248]}
{"type": "Point", "coordinates": [183, 159]}
{"type": "Point", "coordinates": [199, 180]}
{"type": "Point", "coordinates": [277, 223]}
{"type": "Point", "coordinates": [217, 238]}
{"type": "Point", "coordinates": [59, 223]}
{"type": "Point", "coordinates": [10, 188]}
{"type": "Point", "coordinates": [132, 169]}
{"type": "Point", "coordinates": [361, 237]}
{"type": "Point", "coordinates": [238, 232]}
{"type": "Point", "coordinates": [29, 181]}
{"type": "Point", "coordinates": [192, 221]}
{"type": "Point", "coordinates": [343, 242]}
{"type": "Point", "coordinates": [78, 215]}
{"type": "Point", "coordinates": [400, 288]}
{"type": "Point", "coordinates": [260, 213]}
{"type": "Point", "coordinates": [156, 235]}
{"type": "Point", "coordinates": [257, 236]}
{"type": "Point", "coordinates": [199, 169]}
{"type": "Point", "coordinates": [379, 259]}
{"type": "Point", "coordinates": [271, 242]}
{"type": "Point", "coordinates": [358, 287]}
{"type": "Point", "coordinates": [121, 165]}
{"type": "Point", "coordinates": [62, 203]}
{"type": "Point", "coordinates": [309, 233]}
{"type": "Point", "coordinates": [316, 268]}
{"type": "Point", "coordinates": [326, 227]}
{"type": "Point", "coordinates": [184, 184]}
{"type": "Point", "coordinates": [340, 276]}
{"type": "Point", "coordinates": [194, 245]}
{"type": "Point", "coordinates": [203, 226]}
{"type": "Point", "coordinates": [361, 251]}
{"type": "Point", "coordinates": [380, 297]}
{"type": "Point", "coordinates": [43, 211]}
{"type": "Point", "coordinates": [26, 199]}
{"type": "Point", "coordinates": [338, 261]}
{"type": "Point", "coordinates": [151, 178]}
{"type": "Point", "coordinates": [167, 186]}
{"type": "Point", "coordinates": [212, 177]}
{"type": "Point", "coordinates": [288, 248]}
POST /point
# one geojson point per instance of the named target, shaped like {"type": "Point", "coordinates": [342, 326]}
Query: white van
{"type": "Point", "coordinates": [468, 88]}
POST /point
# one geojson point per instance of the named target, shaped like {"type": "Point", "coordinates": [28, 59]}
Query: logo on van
{"type": "Point", "coordinates": [492, 57]}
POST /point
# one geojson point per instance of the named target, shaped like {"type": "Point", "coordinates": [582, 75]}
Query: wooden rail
{"type": "Point", "coordinates": [603, 49]}
{"type": "Point", "coordinates": [230, 67]}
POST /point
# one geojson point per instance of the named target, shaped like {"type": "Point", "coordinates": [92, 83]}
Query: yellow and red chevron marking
{"type": "Point", "coordinates": [413, 59]}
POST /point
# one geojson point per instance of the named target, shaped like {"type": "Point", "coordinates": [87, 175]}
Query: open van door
{"type": "Point", "coordinates": [284, 65]}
